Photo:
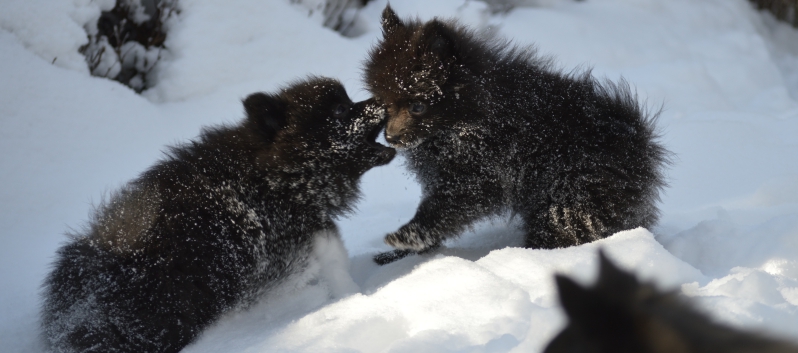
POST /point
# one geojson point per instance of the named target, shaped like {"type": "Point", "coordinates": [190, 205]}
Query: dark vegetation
{"type": "Point", "coordinates": [339, 15]}
{"type": "Point", "coordinates": [784, 10]}
{"type": "Point", "coordinates": [129, 40]}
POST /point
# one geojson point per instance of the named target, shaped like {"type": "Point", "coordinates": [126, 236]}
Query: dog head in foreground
{"type": "Point", "coordinates": [619, 314]}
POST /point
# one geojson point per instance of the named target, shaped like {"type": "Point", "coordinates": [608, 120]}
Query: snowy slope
{"type": "Point", "coordinates": [726, 75]}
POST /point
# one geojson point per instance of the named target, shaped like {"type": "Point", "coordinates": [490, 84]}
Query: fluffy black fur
{"type": "Point", "coordinates": [214, 224]}
{"type": "Point", "coordinates": [488, 127]}
{"type": "Point", "coordinates": [619, 315]}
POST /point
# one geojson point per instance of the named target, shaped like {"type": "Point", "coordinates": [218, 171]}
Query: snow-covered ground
{"type": "Point", "coordinates": [726, 75]}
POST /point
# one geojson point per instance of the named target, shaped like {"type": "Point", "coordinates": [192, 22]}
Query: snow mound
{"type": "Point", "coordinates": [442, 303]}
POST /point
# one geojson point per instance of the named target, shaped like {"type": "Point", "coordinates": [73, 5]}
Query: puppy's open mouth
{"type": "Point", "coordinates": [384, 153]}
{"type": "Point", "coordinates": [402, 145]}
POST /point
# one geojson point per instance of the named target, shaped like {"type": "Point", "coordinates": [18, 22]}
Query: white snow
{"type": "Point", "coordinates": [726, 75]}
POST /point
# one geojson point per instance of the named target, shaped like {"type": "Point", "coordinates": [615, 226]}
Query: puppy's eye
{"type": "Point", "coordinates": [417, 108]}
{"type": "Point", "coordinates": [340, 110]}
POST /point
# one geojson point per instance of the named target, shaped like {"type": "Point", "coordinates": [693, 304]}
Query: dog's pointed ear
{"type": "Point", "coordinates": [266, 111]}
{"type": "Point", "coordinates": [390, 21]}
{"type": "Point", "coordinates": [438, 41]}
{"type": "Point", "coordinates": [614, 280]}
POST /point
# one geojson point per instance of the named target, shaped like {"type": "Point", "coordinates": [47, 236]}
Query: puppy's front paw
{"type": "Point", "coordinates": [409, 239]}
{"type": "Point", "coordinates": [391, 256]}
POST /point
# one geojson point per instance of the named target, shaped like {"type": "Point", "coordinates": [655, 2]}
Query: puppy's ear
{"type": "Point", "coordinates": [390, 21]}
{"type": "Point", "coordinates": [438, 41]}
{"type": "Point", "coordinates": [614, 281]}
{"type": "Point", "coordinates": [266, 111]}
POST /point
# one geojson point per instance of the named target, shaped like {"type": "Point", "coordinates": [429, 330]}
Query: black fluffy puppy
{"type": "Point", "coordinates": [488, 127]}
{"type": "Point", "coordinates": [620, 315]}
{"type": "Point", "coordinates": [211, 226]}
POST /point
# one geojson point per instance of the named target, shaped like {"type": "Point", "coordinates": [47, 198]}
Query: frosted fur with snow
{"type": "Point", "coordinates": [218, 222]}
{"type": "Point", "coordinates": [725, 73]}
{"type": "Point", "coordinates": [488, 127]}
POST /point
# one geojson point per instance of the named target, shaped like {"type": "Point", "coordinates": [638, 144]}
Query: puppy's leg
{"type": "Point", "coordinates": [561, 226]}
{"type": "Point", "coordinates": [444, 213]}
{"type": "Point", "coordinates": [586, 208]}
{"type": "Point", "coordinates": [394, 255]}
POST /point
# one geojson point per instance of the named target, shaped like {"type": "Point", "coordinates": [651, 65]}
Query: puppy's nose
{"type": "Point", "coordinates": [392, 139]}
